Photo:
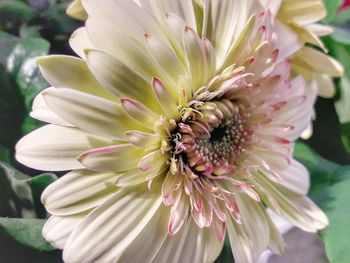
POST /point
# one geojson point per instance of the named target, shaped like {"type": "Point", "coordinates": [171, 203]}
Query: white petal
{"type": "Point", "coordinates": [318, 62]}
{"type": "Point", "coordinates": [288, 42]}
{"type": "Point", "coordinates": [79, 41]}
{"type": "Point", "coordinates": [153, 161]}
{"type": "Point", "coordinates": [143, 140]}
{"type": "Point", "coordinates": [276, 244]}
{"type": "Point", "coordinates": [120, 79]}
{"type": "Point", "coordinates": [182, 8]}
{"type": "Point", "coordinates": [254, 223]}
{"type": "Point", "coordinates": [165, 60]}
{"type": "Point", "coordinates": [239, 44]}
{"type": "Point", "coordinates": [57, 229]}
{"type": "Point", "coordinates": [42, 112]}
{"type": "Point", "coordinates": [148, 242]}
{"type": "Point", "coordinates": [109, 38]}
{"type": "Point", "coordinates": [78, 191]}
{"type": "Point", "coordinates": [179, 214]}
{"type": "Point", "coordinates": [116, 158]}
{"type": "Point", "coordinates": [298, 209]}
{"type": "Point", "coordinates": [90, 113]}
{"type": "Point", "coordinates": [71, 72]}
{"type": "Point", "coordinates": [320, 29]}
{"type": "Point", "coordinates": [140, 113]}
{"type": "Point", "coordinates": [165, 99]}
{"type": "Point", "coordinates": [55, 148]}
{"type": "Point", "coordinates": [197, 59]}
{"type": "Point", "coordinates": [191, 244]}
{"type": "Point", "coordinates": [272, 5]}
{"type": "Point", "coordinates": [128, 17]}
{"type": "Point", "coordinates": [325, 86]}
{"type": "Point", "coordinates": [135, 176]}
{"type": "Point", "coordinates": [302, 12]}
{"type": "Point", "coordinates": [240, 243]}
{"type": "Point", "coordinates": [295, 178]}
{"type": "Point", "coordinates": [224, 20]}
{"type": "Point", "coordinates": [106, 233]}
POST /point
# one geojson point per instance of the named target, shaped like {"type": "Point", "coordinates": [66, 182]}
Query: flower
{"type": "Point", "coordinates": [178, 123]}
{"type": "Point", "coordinates": [300, 17]}
{"type": "Point", "coordinates": [344, 6]}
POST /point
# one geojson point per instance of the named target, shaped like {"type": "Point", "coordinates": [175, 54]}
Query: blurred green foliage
{"type": "Point", "coordinates": [32, 28]}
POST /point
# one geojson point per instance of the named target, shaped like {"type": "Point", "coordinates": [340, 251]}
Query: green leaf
{"type": "Point", "coordinates": [343, 109]}
{"type": "Point", "coordinates": [21, 63]}
{"type": "Point", "coordinates": [320, 169]}
{"type": "Point", "coordinates": [7, 42]}
{"type": "Point", "coordinates": [336, 206]}
{"type": "Point", "coordinates": [226, 253]}
{"type": "Point", "coordinates": [346, 136]}
{"type": "Point", "coordinates": [342, 18]}
{"type": "Point", "coordinates": [342, 52]}
{"type": "Point", "coordinates": [27, 232]}
{"type": "Point", "coordinates": [15, 12]}
{"type": "Point", "coordinates": [330, 189]}
{"type": "Point", "coordinates": [343, 104]}
{"type": "Point", "coordinates": [26, 31]}
{"type": "Point", "coordinates": [20, 82]}
{"type": "Point", "coordinates": [4, 155]}
{"type": "Point", "coordinates": [58, 20]}
{"type": "Point", "coordinates": [20, 193]}
{"type": "Point", "coordinates": [29, 124]}
{"type": "Point", "coordinates": [332, 6]}
{"type": "Point", "coordinates": [12, 110]}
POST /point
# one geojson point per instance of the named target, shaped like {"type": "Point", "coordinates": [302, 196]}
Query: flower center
{"type": "Point", "coordinates": [210, 141]}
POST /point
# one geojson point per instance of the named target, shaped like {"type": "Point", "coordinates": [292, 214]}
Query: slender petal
{"type": "Point", "coordinates": [240, 243]}
{"type": "Point", "coordinates": [90, 113]}
{"type": "Point", "coordinates": [55, 148]}
{"type": "Point", "coordinates": [42, 112]}
{"type": "Point", "coordinates": [112, 227]}
{"type": "Point", "coordinates": [296, 178]}
{"type": "Point", "coordinates": [120, 79]}
{"type": "Point", "coordinates": [58, 228]}
{"type": "Point", "coordinates": [78, 191]}
{"type": "Point", "coordinates": [79, 41]}
{"type": "Point", "coordinates": [191, 244]}
{"type": "Point", "coordinates": [115, 158]}
{"type": "Point", "coordinates": [71, 72]}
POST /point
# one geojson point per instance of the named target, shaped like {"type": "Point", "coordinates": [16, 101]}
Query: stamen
{"type": "Point", "coordinates": [210, 146]}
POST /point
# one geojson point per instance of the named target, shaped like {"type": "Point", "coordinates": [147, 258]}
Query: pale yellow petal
{"type": "Point", "coordinates": [302, 12]}
{"type": "Point", "coordinates": [77, 11]}
{"type": "Point", "coordinates": [56, 148]}
{"type": "Point", "coordinates": [106, 233]}
{"type": "Point", "coordinates": [90, 113]}
{"type": "Point", "coordinates": [79, 41]}
{"type": "Point", "coordinates": [78, 191]}
{"type": "Point", "coordinates": [120, 79]}
{"type": "Point", "coordinates": [118, 158]}
{"type": "Point", "coordinates": [71, 72]}
{"type": "Point", "coordinates": [58, 228]}
{"type": "Point", "coordinates": [191, 244]}
{"type": "Point", "coordinates": [318, 62]}
{"type": "Point", "coordinates": [42, 112]}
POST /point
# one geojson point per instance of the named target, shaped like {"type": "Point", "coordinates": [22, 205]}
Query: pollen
{"type": "Point", "coordinates": [210, 144]}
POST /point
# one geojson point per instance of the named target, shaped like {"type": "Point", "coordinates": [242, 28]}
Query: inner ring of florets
{"type": "Point", "coordinates": [210, 140]}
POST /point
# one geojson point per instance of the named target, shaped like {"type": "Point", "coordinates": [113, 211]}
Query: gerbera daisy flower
{"type": "Point", "coordinates": [300, 17]}
{"type": "Point", "coordinates": [177, 124]}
